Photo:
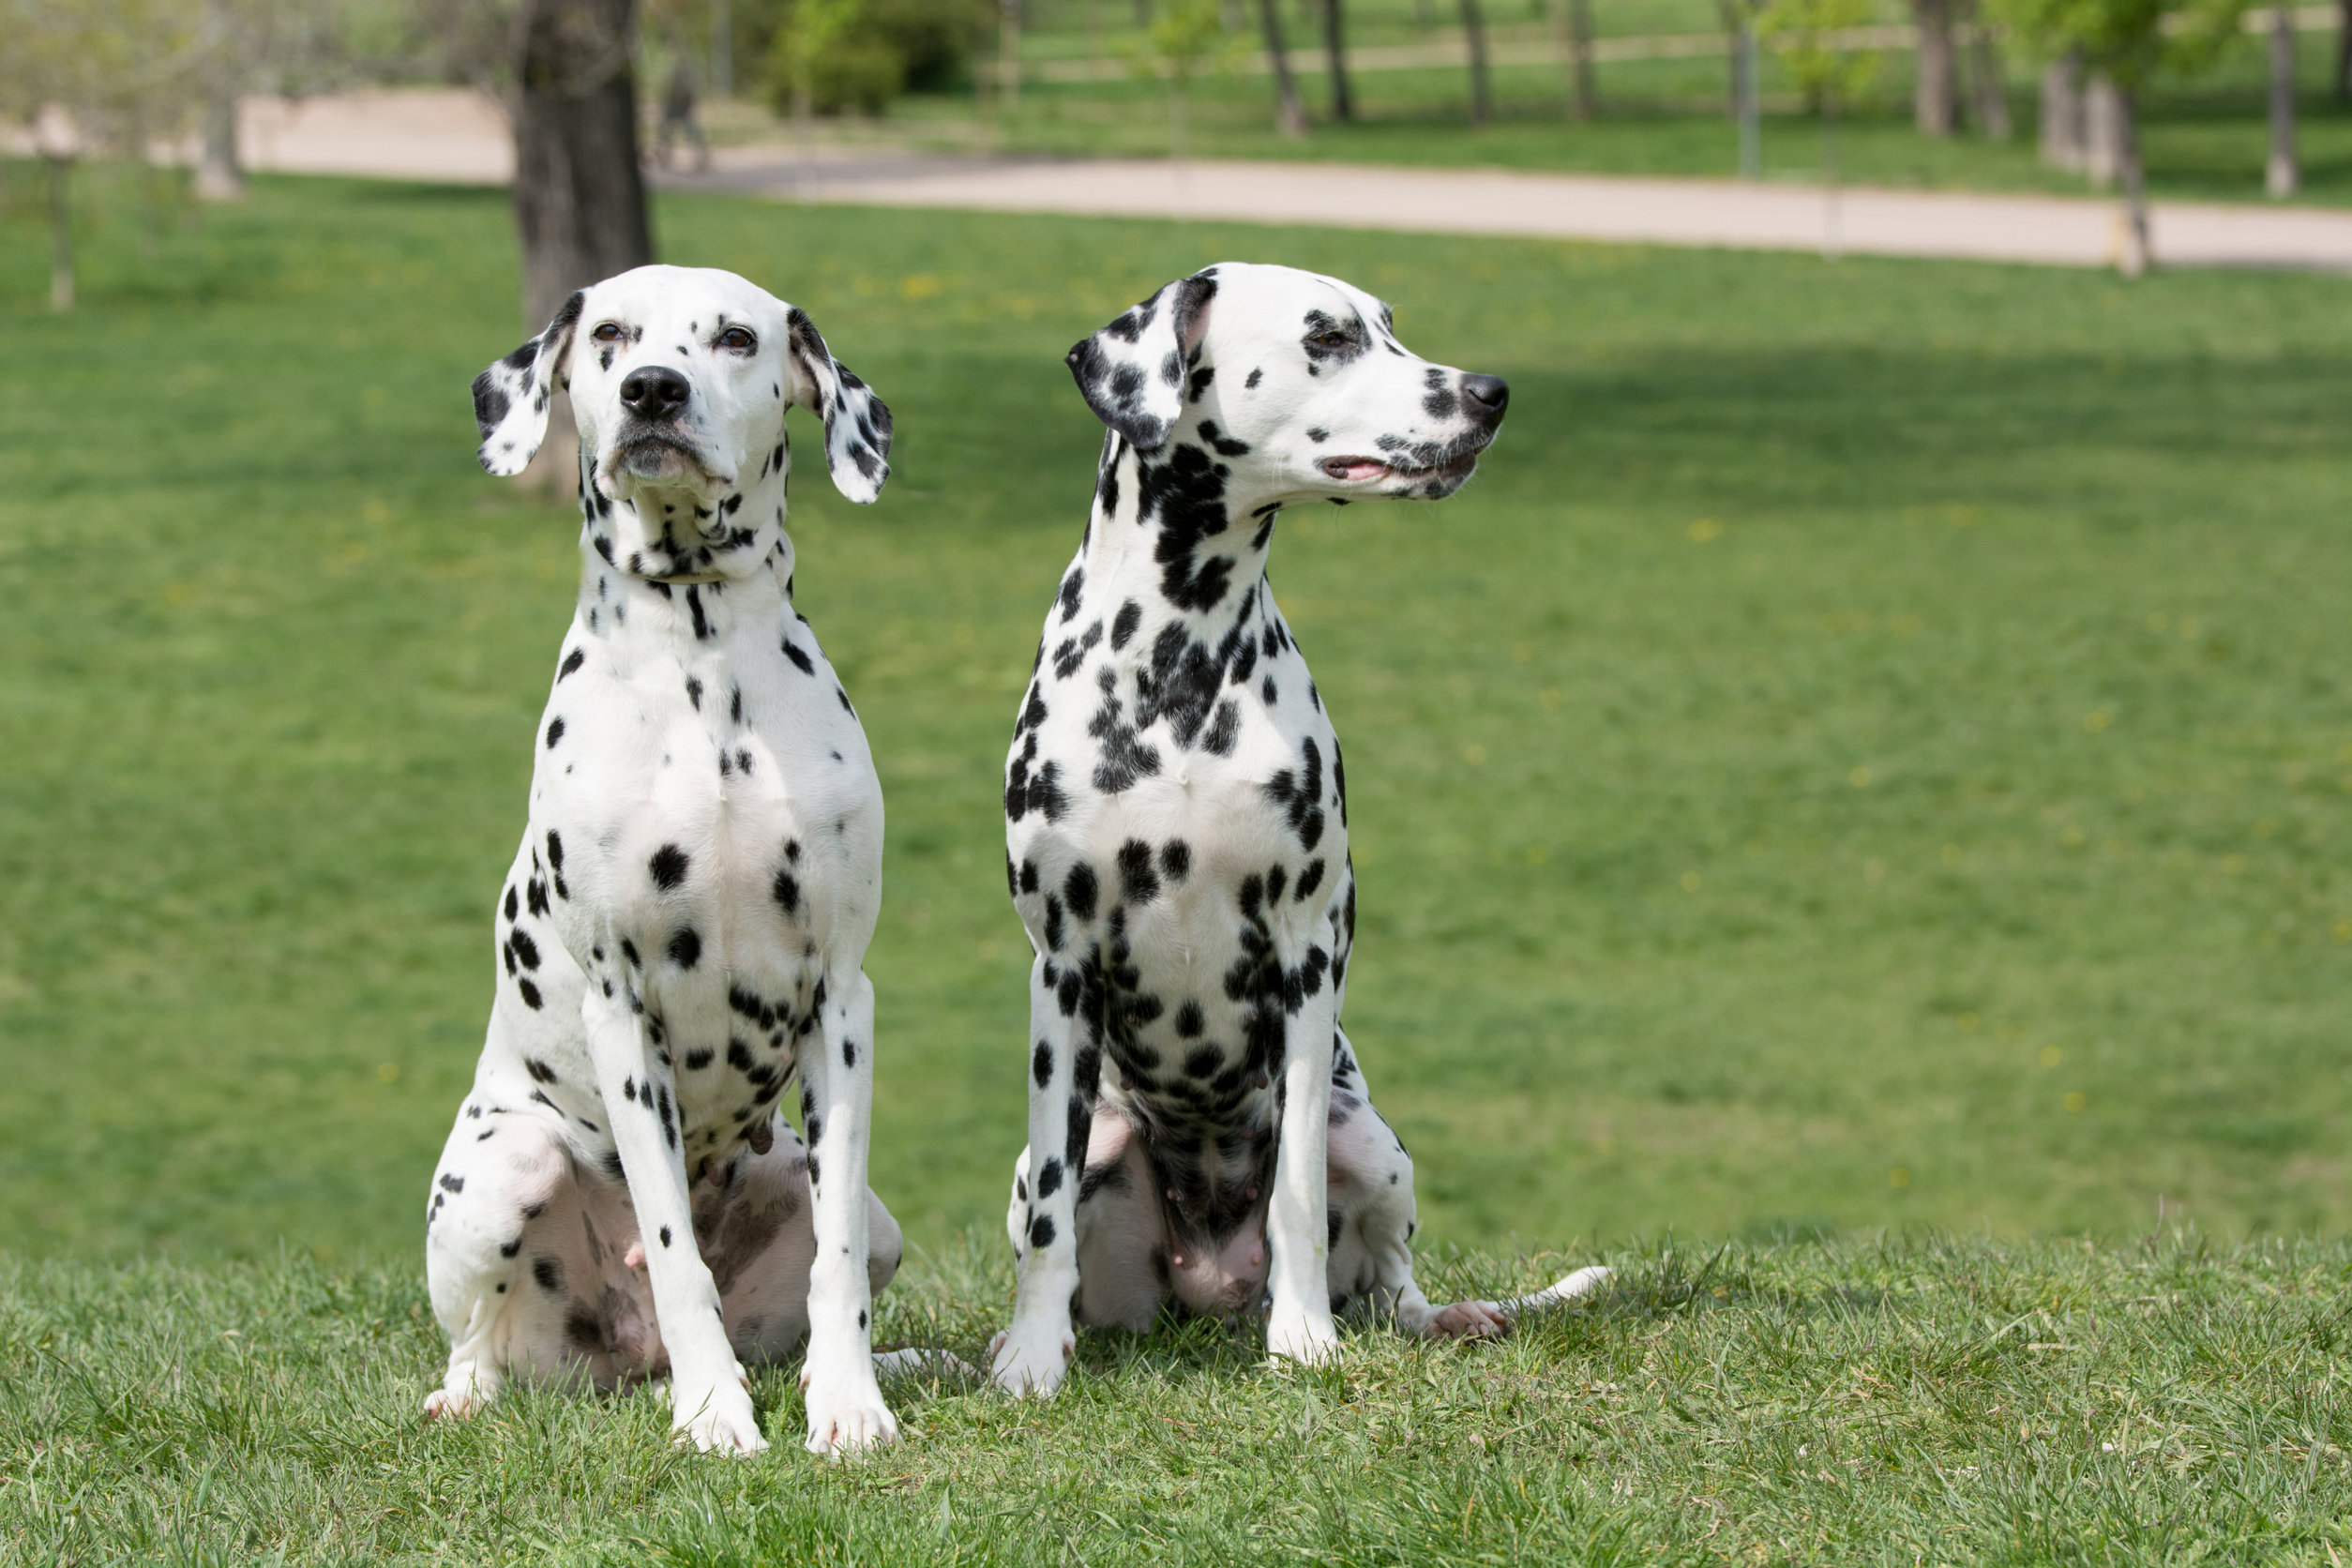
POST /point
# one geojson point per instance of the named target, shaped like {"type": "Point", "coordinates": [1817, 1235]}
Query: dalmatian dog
{"type": "Point", "coordinates": [682, 932]}
{"type": "Point", "coordinates": [1176, 826]}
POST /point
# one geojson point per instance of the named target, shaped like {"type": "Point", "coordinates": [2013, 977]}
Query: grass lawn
{"type": "Point", "coordinates": [1851, 1402]}
{"type": "Point", "coordinates": [1872, 750]}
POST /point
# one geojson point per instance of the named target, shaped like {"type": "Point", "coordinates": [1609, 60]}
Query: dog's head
{"type": "Point", "coordinates": [1295, 381]}
{"type": "Point", "coordinates": [679, 379]}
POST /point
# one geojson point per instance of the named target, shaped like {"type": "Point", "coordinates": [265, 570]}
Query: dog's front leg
{"type": "Point", "coordinates": [846, 1410]}
{"type": "Point", "coordinates": [710, 1398]}
{"type": "Point", "coordinates": [1297, 1222]}
{"type": "Point", "coordinates": [1031, 1356]}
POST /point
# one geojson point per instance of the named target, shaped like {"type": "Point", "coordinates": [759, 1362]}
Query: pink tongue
{"type": "Point", "coordinates": [1361, 468]}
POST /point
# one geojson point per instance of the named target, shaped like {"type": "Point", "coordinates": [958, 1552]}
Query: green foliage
{"type": "Point", "coordinates": [1184, 38]}
{"type": "Point", "coordinates": [1935, 1400]}
{"type": "Point", "coordinates": [839, 55]}
{"type": "Point", "coordinates": [1811, 38]}
{"type": "Point", "coordinates": [2128, 40]}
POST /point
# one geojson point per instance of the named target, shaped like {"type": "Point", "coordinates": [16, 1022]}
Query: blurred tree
{"type": "Point", "coordinates": [1935, 80]}
{"type": "Point", "coordinates": [1342, 103]}
{"type": "Point", "coordinates": [1988, 87]}
{"type": "Point", "coordinates": [1482, 107]}
{"type": "Point", "coordinates": [2284, 176]}
{"type": "Point", "coordinates": [2123, 45]}
{"type": "Point", "coordinates": [1185, 38]}
{"type": "Point", "coordinates": [580, 198]}
{"type": "Point", "coordinates": [1813, 39]}
{"type": "Point", "coordinates": [1289, 113]}
{"type": "Point", "coordinates": [92, 74]}
{"type": "Point", "coordinates": [291, 47]}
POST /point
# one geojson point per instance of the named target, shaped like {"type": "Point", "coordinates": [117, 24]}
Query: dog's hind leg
{"type": "Point", "coordinates": [498, 1176]}
{"type": "Point", "coordinates": [1372, 1223]}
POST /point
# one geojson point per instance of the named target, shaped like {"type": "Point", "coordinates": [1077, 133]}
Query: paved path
{"type": "Point", "coordinates": [451, 136]}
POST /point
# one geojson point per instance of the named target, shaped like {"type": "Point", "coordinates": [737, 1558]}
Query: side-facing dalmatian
{"type": "Point", "coordinates": [1176, 828]}
{"type": "Point", "coordinates": [683, 928]}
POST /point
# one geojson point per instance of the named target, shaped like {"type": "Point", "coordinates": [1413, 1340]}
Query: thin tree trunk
{"type": "Point", "coordinates": [2062, 113]}
{"type": "Point", "coordinates": [219, 176]}
{"type": "Point", "coordinates": [579, 199]}
{"type": "Point", "coordinates": [1342, 104]}
{"type": "Point", "coordinates": [1832, 241]}
{"type": "Point", "coordinates": [1482, 94]}
{"type": "Point", "coordinates": [1008, 55]}
{"type": "Point", "coordinates": [2105, 129]}
{"type": "Point", "coordinates": [1733, 13]}
{"type": "Point", "coordinates": [61, 292]}
{"type": "Point", "coordinates": [2343, 50]}
{"type": "Point", "coordinates": [1988, 89]}
{"type": "Point", "coordinates": [2136, 254]}
{"type": "Point", "coordinates": [1290, 114]}
{"type": "Point", "coordinates": [2284, 176]}
{"type": "Point", "coordinates": [1587, 98]}
{"type": "Point", "coordinates": [1934, 89]}
{"type": "Point", "coordinates": [1747, 103]}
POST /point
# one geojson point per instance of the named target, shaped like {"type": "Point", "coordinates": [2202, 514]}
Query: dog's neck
{"type": "Point", "coordinates": [1176, 532]}
{"type": "Point", "coordinates": [676, 537]}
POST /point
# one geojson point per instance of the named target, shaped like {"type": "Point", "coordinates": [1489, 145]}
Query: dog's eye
{"type": "Point", "coordinates": [606, 332]}
{"type": "Point", "coordinates": [1333, 340]}
{"type": "Point", "coordinates": [735, 338]}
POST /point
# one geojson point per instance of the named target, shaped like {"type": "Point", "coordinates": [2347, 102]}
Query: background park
{"type": "Point", "coordinates": [1850, 806]}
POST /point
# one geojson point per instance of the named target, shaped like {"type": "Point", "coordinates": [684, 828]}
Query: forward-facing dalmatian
{"type": "Point", "coordinates": [1176, 827]}
{"type": "Point", "coordinates": [683, 928]}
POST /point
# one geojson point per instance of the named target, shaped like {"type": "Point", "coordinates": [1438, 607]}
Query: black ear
{"type": "Point", "coordinates": [857, 423]}
{"type": "Point", "coordinates": [1132, 372]}
{"type": "Point", "coordinates": [510, 397]}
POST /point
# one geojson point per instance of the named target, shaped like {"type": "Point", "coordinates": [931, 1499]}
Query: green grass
{"type": "Point", "coordinates": [2056, 563]}
{"type": "Point", "coordinates": [1930, 1401]}
{"type": "Point", "coordinates": [1869, 757]}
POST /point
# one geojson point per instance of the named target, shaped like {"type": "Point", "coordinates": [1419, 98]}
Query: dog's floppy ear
{"type": "Point", "coordinates": [857, 423]}
{"type": "Point", "coordinates": [1132, 372]}
{"type": "Point", "coordinates": [510, 397]}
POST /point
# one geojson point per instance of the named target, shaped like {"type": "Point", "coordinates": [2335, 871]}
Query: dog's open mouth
{"type": "Point", "coordinates": [1373, 469]}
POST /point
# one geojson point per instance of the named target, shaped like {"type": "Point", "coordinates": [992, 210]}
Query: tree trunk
{"type": "Point", "coordinates": [1008, 55]}
{"type": "Point", "coordinates": [1988, 89]}
{"type": "Point", "coordinates": [1342, 105]}
{"type": "Point", "coordinates": [220, 177]}
{"type": "Point", "coordinates": [2062, 113]}
{"type": "Point", "coordinates": [1290, 114]}
{"type": "Point", "coordinates": [2284, 176]}
{"type": "Point", "coordinates": [579, 200]}
{"type": "Point", "coordinates": [1482, 94]}
{"type": "Point", "coordinates": [2105, 129]}
{"type": "Point", "coordinates": [1587, 97]}
{"type": "Point", "coordinates": [2344, 52]}
{"type": "Point", "coordinates": [1746, 100]}
{"type": "Point", "coordinates": [2136, 255]}
{"type": "Point", "coordinates": [60, 232]}
{"type": "Point", "coordinates": [1934, 92]}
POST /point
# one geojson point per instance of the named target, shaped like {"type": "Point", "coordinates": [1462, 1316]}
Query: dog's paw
{"type": "Point", "coordinates": [716, 1417]}
{"type": "Point", "coordinates": [846, 1413]}
{"type": "Point", "coordinates": [441, 1402]}
{"type": "Point", "coordinates": [1309, 1338]}
{"type": "Point", "coordinates": [1024, 1361]}
{"type": "Point", "coordinates": [1468, 1321]}
{"type": "Point", "coordinates": [460, 1396]}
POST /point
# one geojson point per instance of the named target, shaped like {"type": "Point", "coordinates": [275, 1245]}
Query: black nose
{"type": "Point", "coordinates": [1486, 395]}
{"type": "Point", "coordinates": [657, 392]}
